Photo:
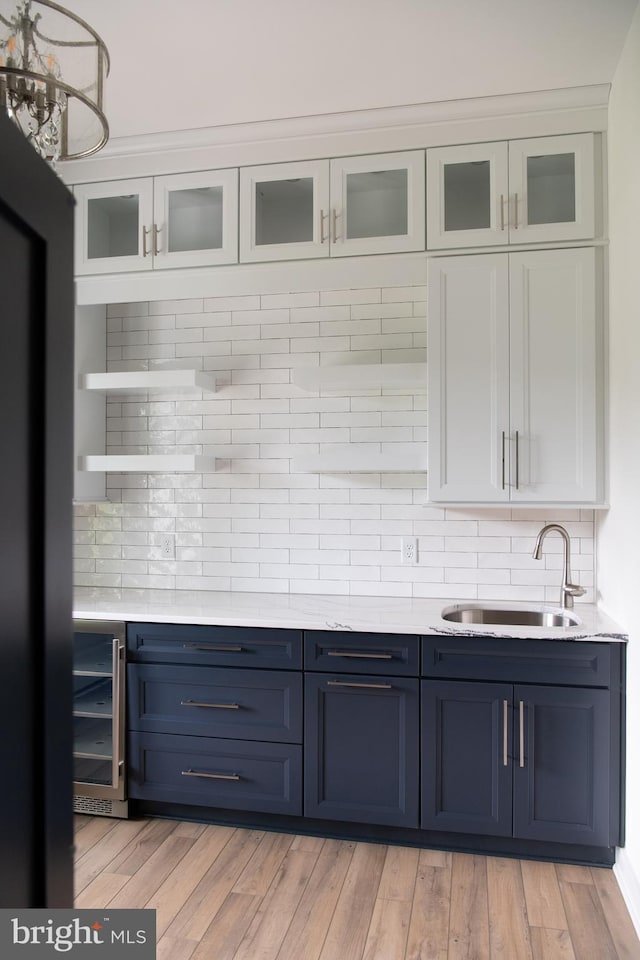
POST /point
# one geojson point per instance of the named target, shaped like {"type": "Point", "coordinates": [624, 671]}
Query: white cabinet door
{"type": "Point", "coordinates": [468, 195]}
{"type": "Point", "coordinates": [468, 378]}
{"type": "Point", "coordinates": [195, 220]}
{"type": "Point", "coordinates": [113, 226]}
{"type": "Point", "coordinates": [517, 191]}
{"type": "Point", "coordinates": [514, 378]}
{"type": "Point", "coordinates": [554, 383]}
{"type": "Point", "coordinates": [377, 204]}
{"type": "Point", "coordinates": [552, 186]}
{"type": "Point", "coordinates": [284, 211]}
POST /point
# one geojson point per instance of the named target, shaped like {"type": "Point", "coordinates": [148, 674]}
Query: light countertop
{"type": "Point", "coordinates": [323, 612]}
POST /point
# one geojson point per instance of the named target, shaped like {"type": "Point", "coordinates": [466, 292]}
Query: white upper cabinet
{"type": "Point", "coordinates": [520, 191]}
{"type": "Point", "coordinates": [514, 378]}
{"type": "Point", "coordinates": [344, 207]}
{"type": "Point", "coordinates": [156, 222]}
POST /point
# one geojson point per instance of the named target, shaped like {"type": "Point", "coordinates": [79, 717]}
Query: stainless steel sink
{"type": "Point", "coordinates": [484, 613]}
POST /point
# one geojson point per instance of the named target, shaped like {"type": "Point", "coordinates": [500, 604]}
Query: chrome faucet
{"type": "Point", "coordinates": [568, 590]}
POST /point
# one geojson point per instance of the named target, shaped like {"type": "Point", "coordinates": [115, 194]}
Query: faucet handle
{"type": "Point", "coordinates": [574, 589]}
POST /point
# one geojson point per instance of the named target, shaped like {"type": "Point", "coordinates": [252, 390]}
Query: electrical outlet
{"type": "Point", "coordinates": [168, 546]}
{"type": "Point", "coordinates": [409, 550]}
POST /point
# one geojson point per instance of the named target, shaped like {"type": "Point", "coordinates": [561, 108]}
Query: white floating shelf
{"type": "Point", "coordinates": [362, 376]}
{"type": "Point", "coordinates": [140, 381]}
{"type": "Point", "coordinates": [149, 463]}
{"type": "Point", "coordinates": [412, 458]}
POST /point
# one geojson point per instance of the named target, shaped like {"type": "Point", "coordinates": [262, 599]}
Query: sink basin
{"type": "Point", "coordinates": [484, 613]}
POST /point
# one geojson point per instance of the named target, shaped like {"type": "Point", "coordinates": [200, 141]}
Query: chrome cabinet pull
{"type": "Point", "coordinates": [505, 735]}
{"type": "Point", "coordinates": [117, 654]}
{"type": "Point", "coordinates": [156, 230]}
{"type": "Point", "coordinates": [503, 458]}
{"type": "Point", "coordinates": [359, 656]}
{"type": "Point", "coordinates": [220, 648]}
{"type": "Point", "coordinates": [522, 733]}
{"type": "Point", "coordinates": [363, 686]}
{"type": "Point", "coordinates": [334, 220]}
{"type": "Point", "coordinates": [515, 211]}
{"type": "Point", "coordinates": [517, 460]}
{"type": "Point", "coordinates": [323, 216]}
{"type": "Point", "coordinates": [502, 211]}
{"type": "Point", "coordinates": [210, 776]}
{"type": "Point", "coordinates": [213, 706]}
{"type": "Point", "coordinates": [145, 251]}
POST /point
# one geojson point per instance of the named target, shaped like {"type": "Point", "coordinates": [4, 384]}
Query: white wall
{"type": "Point", "coordinates": [256, 523]}
{"type": "Point", "coordinates": [619, 530]}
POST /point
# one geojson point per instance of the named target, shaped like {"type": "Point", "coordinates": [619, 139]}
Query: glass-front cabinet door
{"type": "Point", "coordinates": [284, 211]}
{"type": "Point", "coordinates": [195, 221]}
{"type": "Point", "coordinates": [517, 191]}
{"type": "Point", "coordinates": [377, 204]}
{"type": "Point", "coordinates": [551, 180]}
{"type": "Point", "coordinates": [112, 226]}
{"type": "Point", "coordinates": [468, 196]}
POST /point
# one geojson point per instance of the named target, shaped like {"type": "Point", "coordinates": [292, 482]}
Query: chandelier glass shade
{"type": "Point", "coordinates": [53, 67]}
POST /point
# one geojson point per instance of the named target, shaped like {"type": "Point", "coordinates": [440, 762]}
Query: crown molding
{"type": "Point", "coordinates": [536, 113]}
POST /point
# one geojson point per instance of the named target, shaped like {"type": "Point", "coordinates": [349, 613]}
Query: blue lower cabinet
{"type": "Point", "coordinates": [527, 761]}
{"type": "Point", "coordinates": [561, 768]}
{"type": "Point", "coordinates": [210, 772]}
{"type": "Point", "coordinates": [466, 767]}
{"type": "Point", "coordinates": [362, 749]}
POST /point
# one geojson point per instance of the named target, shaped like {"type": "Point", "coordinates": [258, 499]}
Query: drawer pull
{"type": "Point", "coordinates": [211, 776]}
{"type": "Point", "coordinates": [359, 656]}
{"type": "Point", "coordinates": [505, 736]}
{"type": "Point", "coordinates": [216, 706]}
{"type": "Point", "coordinates": [364, 686]}
{"type": "Point", "coordinates": [522, 733]}
{"type": "Point", "coordinates": [220, 648]}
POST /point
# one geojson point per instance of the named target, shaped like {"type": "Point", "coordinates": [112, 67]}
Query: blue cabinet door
{"type": "Point", "coordinates": [561, 765]}
{"type": "Point", "coordinates": [361, 748]}
{"type": "Point", "coordinates": [466, 762]}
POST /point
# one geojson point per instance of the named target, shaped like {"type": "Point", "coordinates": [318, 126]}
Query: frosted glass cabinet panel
{"type": "Point", "coordinates": [184, 220]}
{"type": "Point", "coordinates": [344, 207]}
{"type": "Point", "coordinates": [520, 191]}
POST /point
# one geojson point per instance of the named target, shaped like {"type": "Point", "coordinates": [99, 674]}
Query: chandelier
{"type": "Point", "coordinates": [52, 71]}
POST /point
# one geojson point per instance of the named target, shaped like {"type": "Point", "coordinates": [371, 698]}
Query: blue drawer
{"type": "Point", "coordinates": [207, 772]}
{"type": "Point", "coordinates": [586, 664]}
{"type": "Point", "coordinates": [217, 646]}
{"type": "Point", "coordinates": [336, 652]}
{"type": "Point", "coordinates": [216, 702]}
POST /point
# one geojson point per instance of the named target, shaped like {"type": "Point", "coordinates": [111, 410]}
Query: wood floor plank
{"type": "Point", "coordinates": [429, 927]}
{"type": "Point", "coordinates": [587, 924]}
{"type": "Point", "coordinates": [101, 891]}
{"type": "Point", "coordinates": [347, 933]}
{"type": "Point", "coordinates": [312, 844]}
{"type": "Point", "coordinates": [308, 930]}
{"type": "Point", "coordinates": [550, 944]}
{"type": "Point", "coordinates": [399, 874]}
{"type": "Point", "coordinates": [193, 919]}
{"type": "Point", "coordinates": [100, 856]}
{"type": "Point", "coordinates": [572, 873]}
{"type": "Point", "coordinates": [91, 834]}
{"type": "Point", "coordinates": [152, 836]}
{"type": "Point", "coordinates": [168, 948]}
{"type": "Point", "coordinates": [508, 923]}
{"type": "Point", "coordinates": [258, 874]}
{"type": "Point", "coordinates": [388, 931]}
{"type": "Point", "coordinates": [182, 881]}
{"type": "Point", "coordinates": [542, 895]}
{"type": "Point", "coordinates": [145, 881]}
{"type": "Point", "coordinates": [264, 937]}
{"type": "Point", "coordinates": [228, 928]}
{"type": "Point", "coordinates": [436, 858]}
{"type": "Point", "coordinates": [469, 916]}
{"type": "Point", "coordinates": [621, 928]}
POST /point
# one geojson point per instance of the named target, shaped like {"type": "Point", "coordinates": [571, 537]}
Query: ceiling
{"type": "Point", "coordinates": [202, 63]}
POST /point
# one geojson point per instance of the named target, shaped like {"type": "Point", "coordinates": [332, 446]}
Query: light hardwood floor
{"type": "Point", "coordinates": [229, 894]}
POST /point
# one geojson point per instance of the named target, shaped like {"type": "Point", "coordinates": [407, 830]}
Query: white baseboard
{"type": "Point", "coordinates": [629, 883]}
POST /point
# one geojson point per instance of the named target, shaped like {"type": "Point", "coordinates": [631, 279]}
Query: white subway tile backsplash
{"type": "Point", "coordinates": [253, 524]}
